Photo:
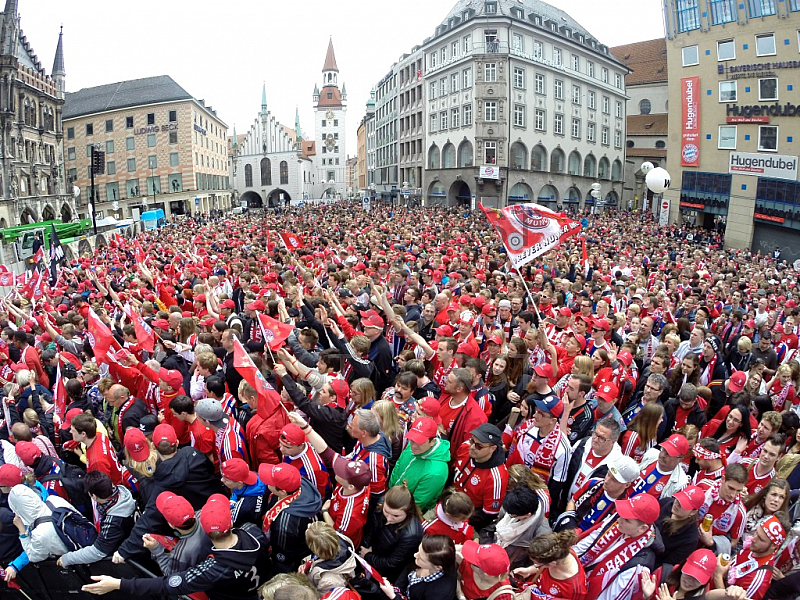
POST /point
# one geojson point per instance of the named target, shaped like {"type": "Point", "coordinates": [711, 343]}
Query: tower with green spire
{"type": "Point", "coordinates": [297, 130]}
{"type": "Point", "coordinates": [264, 99]}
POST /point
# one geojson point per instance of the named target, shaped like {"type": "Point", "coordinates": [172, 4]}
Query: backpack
{"type": "Point", "coordinates": [71, 477]}
{"type": "Point", "coordinates": [73, 529]}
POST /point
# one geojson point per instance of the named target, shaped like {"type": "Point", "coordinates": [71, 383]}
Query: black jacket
{"type": "Point", "coordinates": [393, 546]}
{"type": "Point", "coordinates": [188, 473]}
{"type": "Point", "coordinates": [134, 414]}
{"type": "Point", "coordinates": [443, 588]}
{"type": "Point", "coordinates": [328, 421]}
{"type": "Point", "coordinates": [232, 574]}
{"type": "Point", "coordinates": [680, 544]}
{"type": "Point", "coordinates": [287, 533]}
{"type": "Point", "coordinates": [10, 547]}
{"type": "Point", "coordinates": [380, 353]}
{"type": "Point", "coordinates": [696, 417]}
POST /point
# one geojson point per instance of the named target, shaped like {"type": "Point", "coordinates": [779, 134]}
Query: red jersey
{"type": "Point", "coordinates": [378, 466]}
{"type": "Point", "coordinates": [349, 513]}
{"type": "Point", "coordinates": [310, 465]}
{"type": "Point", "coordinates": [746, 572]}
{"type": "Point", "coordinates": [459, 534]}
{"type": "Point", "coordinates": [729, 517]}
{"type": "Point", "coordinates": [572, 588]}
{"type": "Point", "coordinates": [447, 413]}
{"type": "Point", "coordinates": [756, 483]}
{"type": "Point", "coordinates": [485, 487]}
{"type": "Point", "coordinates": [471, 590]}
{"type": "Point", "coordinates": [440, 372]}
{"type": "Point", "coordinates": [100, 456]}
{"type": "Point", "coordinates": [201, 437]}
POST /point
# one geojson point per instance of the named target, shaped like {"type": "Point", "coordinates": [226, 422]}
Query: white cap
{"type": "Point", "coordinates": [624, 469]}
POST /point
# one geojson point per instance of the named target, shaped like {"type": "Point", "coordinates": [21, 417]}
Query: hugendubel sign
{"type": "Point", "coordinates": [690, 126]}
{"type": "Point", "coordinates": [763, 165]}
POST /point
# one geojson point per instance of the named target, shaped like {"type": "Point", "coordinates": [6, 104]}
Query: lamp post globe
{"type": "Point", "coordinates": [646, 167]}
{"type": "Point", "coordinates": [657, 180]}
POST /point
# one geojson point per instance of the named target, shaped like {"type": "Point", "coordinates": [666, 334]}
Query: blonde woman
{"type": "Point", "coordinates": [332, 562]}
{"type": "Point", "coordinates": [391, 426]}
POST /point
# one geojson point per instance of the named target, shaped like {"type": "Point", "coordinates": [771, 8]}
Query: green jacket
{"type": "Point", "coordinates": [425, 475]}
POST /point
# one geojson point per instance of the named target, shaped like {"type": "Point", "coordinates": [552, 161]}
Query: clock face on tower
{"type": "Point", "coordinates": [329, 114]}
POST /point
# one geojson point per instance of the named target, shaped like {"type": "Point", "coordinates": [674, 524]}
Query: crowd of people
{"type": "Point", "coordinates": [343, 404]}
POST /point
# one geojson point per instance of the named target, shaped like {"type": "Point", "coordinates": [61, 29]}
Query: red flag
{"type": "Point", "coordinates": [275, 332]}
{"type": "Point", "coordinates": [268, 399]}
{"type": "Point", "coordinates": [6, 279]}
{"type": "Point", "coordinates": [585, 258]}
{"type": "Point", "coordinates": [291, 241]}
{"type": "Point", "coordinates": [139, 254]}
{"type": "Point", "coordinates": [39, 256]}
{"type": "Point", "coordinates": [60, 395]}
{"type": "Point", "coordinates": [530, 230]}
{"type": "Point", "coordinates": [144, 333]}
{"type": "Point", "coordinates": [100, 336]}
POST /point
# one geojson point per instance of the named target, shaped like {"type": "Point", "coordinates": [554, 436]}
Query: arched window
{"type": "Point", "coordinates": [519, 156]}
{"type": "Point", "coordinates": [248, 176]}
{"type": "Point", "coordinates": [465, 154]}
{"type": "Point", "coordinates": [590, 166]}
{"type": "Point", "coordinates": [616, 171]}
{"type": "Point", "coordinates": [660, 144]}
{"type": "Point", "coordinates": [604, 170]}
{"type": "Point", "coordinates": [557, 161]}
{"type": "Point", "coordinates": [574, 165]}
{"type": "Point", "coordinates": [644, 107]}
{"type": "Point", "coordinates": [266, 171]}
{"type": "Point", "coordinates": [284, 172]}
{"type": "Point", "coordinates": [547, 194]}
{"type": "Point", "coordinates": [538, 158]}
{"type": "Point", "coordinates": [433, 157]}
{"type": "Point", "coordinates": [448, 156]}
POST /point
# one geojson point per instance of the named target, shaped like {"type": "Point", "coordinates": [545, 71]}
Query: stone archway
{"type": "Point", "coordinates": [84, 248]}
{"type": "Point", "coordinates": [48, 214]}
{"type": "Point", "coordinates": [520, 192]}
{"type": "Point", "coordinates": [252, 200]}
{"type": "Point", "coordinates": [278, 197]}
{"type": "Point", "coordinates": [436, 193]}
{"type": "Point", "coordinates": [69, 255]}
{"type": "Point", "coordinates": [66, 213]}
{"type": "Point", "coordinates": [27, 216]}
{"type": "Point", "coordinates": [459, 194]}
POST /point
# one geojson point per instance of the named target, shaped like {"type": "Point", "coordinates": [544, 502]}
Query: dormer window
{"type": "Point", "coordinates": [491, 8]}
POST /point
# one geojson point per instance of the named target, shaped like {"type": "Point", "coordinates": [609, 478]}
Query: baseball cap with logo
{"type": "Point", "coordinates": [342, 391]}
{"type": "Point", "coordinates": [467, 317]}
{"type": "Point", "coordinates": [136, 444]}
{"type": "Point", "coordinates": [284, 477]}
{"type": "Point", "coordinates": [171, 377]}
{"type": "Point", "coordinates": [431, 407]}
{"type": "Point", "coordinates": [164, 433]}
{"type": "Point", "coordinates": [624, 469]}
{"type": "Point", "coordinates": [488, 434]}
{"type": "Point", "coordinates": [608, 392]}
{"type": "Point", "coordinates": [700, 565]}
{"type": "Point", "coordinates": [292, 434]}
{"type": "Point", "coordinates": [676, 445]}
{"type": "Point", "coordinates": [642, 507]}
{"type": "Point", "coordinates": [625, 358]}
{"type": "Point", "coordinates": [227, 304]}
{"type": "Point", "coordinates": [444, 330]}
{"type": "Point", "coordinates": [737, 381]}
{"type": "Point", "coordinates": [373, 321]}
{"type": "Point", "coordinates": [550, 404]}
{"type": "Point", "coordinates": [10, 475]}
{"type": "Point", "coordinates": [691, 497]}
{"type": "Point", "coordinates": [216, 514]}
{"type": "Point", "coordinates": [544, 370]}
{"type": "Point", "coordinates": [355, 472]}
{"type": "Point", "coordinates": [236, 469]}
{"type": "Point", "coordinates": [489, 558]}
{"type": "Point", "coordinates": [422, 430]}
{"type": "Point", "coordinates": [176, 509]}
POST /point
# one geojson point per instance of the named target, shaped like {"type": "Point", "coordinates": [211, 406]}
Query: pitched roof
{"type": "Point", "coordinates": [335, 100]}
{"type": "Point", "coordinates": [330, 59]}
{"type": "Point", "coordinates": [308, 149]}
{"type": "Point", "coordinates": [58, 61]}
{"type": "Point", "coordinates": [647, 61]}
{"type": "Point", "coordinates": [647, 124]}
{"type": "Point", "coordinates": [123, 94]}
{"type": "Point", "coordinates": [647, 152]}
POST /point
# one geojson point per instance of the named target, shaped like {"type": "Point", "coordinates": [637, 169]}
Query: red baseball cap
{"type": "Point", "coordinates": [228, 304]}
{"type": "Point", "coordinates": [495, 339]}
{"type": "Point", "coordinates": [342, 391]}
{"type": "Point", "coordinates": [608, 392]}
{"type": "Point", "coordinates": [625, 357]}
{"type": "Point", "coordinates": [216, 514]}
{"type": "Point", "coordinates": [164, 432]}
{"type": "Point", "coordinates": [642, 507]}
{"type": "Point", "coordinates": [468, 349]}
{"type": "Point", "coordinates": [691, 497]}
{"type": "Point", "coordinates": [544, 370]}
{"type": "Point", "coordinates": [422, 430]}
{"type": "Point", "coordinates": [565, 311]}
{"type": "Point", "coordinates": [292, 435]}
{"type": "Point", "coordinates": [176, 509]}
{"type": "Point", "coordinates": [161, 323]}
{"type": "Point", "coordinates": [737, 381]}
{"type": "Point", "coordinates": [602, 324]}
{"type": "Point", "coordinates": [171, 377]}
{"type": "Point", "coordinates": [467, 317]}
{"type": "Point", "coordinates": [444, 330]}
{"type": "Point", "coordinates": [489, 558]}
{"type": "Point", "coordinates": [578, 338]}
{"type": "Point", "coordinates": [136, 443]}
{"type": "Point", "coordinates": [373, 321]}
{"type": "Point", "coordinates": [10, 475]}
{"type": "Point", "coordinates": [236, 469]}
{"type": "Point", "coordinates": [700, 565]}
{"type": "Point", "coordinates": [488, 309]}
{"type": "Point", "coordinates": [256, 305]}
{"type": "Point", "coordinates": [71, 414]}
{"type": "Point", "coordinates": [676, 445]}
{"type": "Point", "coordinates": [284, 477]}
{"type": "Point", "coordinates": [431, 407]}
{"type": "Point", "coordinates": [28, 452]}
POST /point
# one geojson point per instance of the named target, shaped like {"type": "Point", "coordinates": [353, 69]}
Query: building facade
{"type": "Point", "coordinates": [734, 67]}
{"type": "Point", "coordinates": [411, 125]}
{"type": "Point", "coordinates": [365, 135]}
{"type": "Point", "coordinates": [646, 118]}
{"type": "Point", "coordinates": [268, 168]}
{"type": "Point", "coordinates": [522, 105]}
{"type": "Point", "coordinates": [164, 149]}
{"type": "Point", "coordinates": [386, 123]}
{"type": "Point", "coordinates": [330, 110]}
{"type": "Point", "coordinates": [32, 179]}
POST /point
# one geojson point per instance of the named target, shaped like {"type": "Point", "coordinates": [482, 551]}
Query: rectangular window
{"type": "Point", "coordinates": [454, 49]}
{"type": "Point", "coordinates": [454, 82]}
{"type": "Point", "coordinates": [109, 146]}
{"type": "Point", "coordinates": [491, 8]}
{"type": "Point", "coordinates": [467, 78]}
{"type": "Point", "coordinates": [576, 128]}
{"type": "Point", "coordinates": [727, 91]}
{"type": "Point", "coordinates": [558, 124]}
{"type": "Point", "coordinates": [490, 153]}
{"type": "Point", "coordinates": [688, 15]}
{"type": "Point", "coordinates": [618, 110]}
{"type": "Point", "coordinates": [443, 120]}
{"type": "Point", "coordinates": [576, 94]}
{"type": "Point", "coordinates": [722, 11]}
{"type": "Point", "coordinates": [591, 99]}
{"type": "Point", "coordinates": [72, 175]}
{"type": "Point", "coordinates": [690, 56]}
{"type": "Point", "coordinates": [112, 191]}
{"type": "Point", "coordinates": [151, 140]}
{"type": "Point", "coordinates": [432, 95]}
{"type": "Point", "coordinates": [89, 151]}
{"type": "Point", "coordinates": [558, 89]}
{"type": "Point", "coordinates": [617, 139]}
{"type": "Point", "coordinates": [538, 50]}
{"type": "Point", "coordinates": [70, 133]}
{"type": "Point", "coordinates": [173, 137]}
{"type": "Point", "coordinates": [765, 45]}
{"type": "Point", "coordinates": [111, 167]}
{"type": "Point", "coordinates": [490, 72]}
{"type": "Point", "coordinates": [154, 185]}
{"type": "Point", "coordinates": [151, 118]}
{"type": "Point", "coordinates": [590, 69]}
{"type": "Point", "coordinates": [128, 122]}
{"type": "Point", "coordinates": [174, 159]}
{"type": "Point", "coordinates": [176, 182]}
{"type": "Point", "coordinates": [71, 153]}
{"type": "Point", "coordinates": [109, 125]}
{"type": "Point", "coordinates": [433, 123]}
{"type": "Point", "coordinates": [606, 105]}
{"type": "Point", "coordinates": [576, 62]}
{"type": "Point", "coordinates": [519, 78]}
{"type": "Point", "coordinates": [726, 50]}
{"type": "Point", "coordinates": [591, 129]}
{"type": "Point", "coordinates": [130, 144]}
{"type": "Point", "coordinates": [768, 88]}
{"type": "Point", "coordinates": [539, 119]}
{"type": "Point", "coordinates": [90, 129]}
{"type": "Point", "coordinates": [604, 136]}
{"type": "Point", "coordinates": [604, 75]}
{"type": "Point", "coordinates": [443, 86]}
{"type": "Point", "coordinates": [768, 138]}
{"type": "Point", "coordinates": [432, 60]}
{"type": "Point", "coordinates": [557, 57]}
{"type": "Point", "coordinates": [152, 161]}
{"type": "Point", "coordinates": [517, 42]}
{"type": "Point", "coordinates": [173, 116]}
{"type": "Point", "coordinates": [467, 44]}
{"type": "Point", "coordinates": [519, 115]}
{"type": "Point", "coordinates": [131, 165]}
{"type": "Point", "coordinates": [618, 81]}
{"type": "Point", "coordinates": [490, 110]}
{"type": "Point", "coordinates": [444, 55]}
{"type": "Point", "coordinates": [727, 137]}
{"type": "Point", "coordinates": [467, 114]}
{"type": "Point", "coordinates": [455, 119]}
{"type": "Point", "coordinates": [539, 82]}
{"type": "Point", "coordinates": [761, 8]}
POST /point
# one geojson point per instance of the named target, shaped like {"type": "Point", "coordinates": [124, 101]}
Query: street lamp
{"type": "Point", "coordinates": [595, 193]}
{"type": "Point", "coordinates": [405, 191]}
{"type": "Point", "coordinates": [658, 181]}
{"type": "Point", "coordinates": [645, 168]}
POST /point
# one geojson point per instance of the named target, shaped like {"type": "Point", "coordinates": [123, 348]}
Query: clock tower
{"type": "Point", "coordinates": [330, 108]}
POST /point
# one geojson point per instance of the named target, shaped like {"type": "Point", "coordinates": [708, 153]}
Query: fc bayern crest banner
{"type": "Point", "coordinates": [529, 230]}
{"type": "Point", "coordinates": [690, 126]}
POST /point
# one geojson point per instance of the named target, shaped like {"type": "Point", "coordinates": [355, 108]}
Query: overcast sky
{"type": "Point", "coordinates": [224, 51]}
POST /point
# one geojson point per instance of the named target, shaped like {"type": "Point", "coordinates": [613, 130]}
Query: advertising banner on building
{"type": "Point", "coordinates": [489, 172]}
{"type": "Point", "coordinates": [690, 126]}
{"type": "Point", "coordinates": [663, 216]}
{"type": "Point", "coordinates": [763, 165]}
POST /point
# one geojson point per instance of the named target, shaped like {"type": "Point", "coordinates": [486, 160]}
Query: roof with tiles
{"type": "Point", "coordinates": [647, 124]}
{"type": "Point", "coordinates": [646, 60]}
{"type": "Point", "coordinates": [113, 96]}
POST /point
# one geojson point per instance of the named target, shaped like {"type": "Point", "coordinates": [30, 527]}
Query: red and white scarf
{"type": "Point", "coordinates": [273, 512]}
{"type": "Point", "coordinates": [542, 458]}
{"type": "Point", "coordinates": [779, 400]}
{"type": "Point", "coordinates": [708, 373]}
{"type": "Point", "coordinates": [612, 549]}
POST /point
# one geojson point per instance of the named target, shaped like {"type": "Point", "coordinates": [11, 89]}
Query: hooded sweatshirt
{"type": "Point", "coordinates": [41, 541]}
{"type": "Point", "coordinates": [336, 572]}
{"type": "Point", "coordinates": [247, 504]}
{"type": "Point", "coordinates": [287, 533]}
{"type": "Point", "coordinates": [425, 474]}
{"type": "Point", "coordinates": [230, 574]}
{"type": "Point", "coordinates": [115, 525]}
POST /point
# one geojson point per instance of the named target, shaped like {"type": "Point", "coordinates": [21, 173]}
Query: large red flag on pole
{"type": "Point", "coordinates": [530, 230]}
{"type": "Point", "coordinates": [100, 337]}
{"type": "Point", "coordinates": [274, 332]}
{"type": "Point", "coordinates": [144, 333]}
{"type": "Point", "coordinates": [268, 398]}
{"type": "Point", "coordinates": [291, 241]}
{"type": "Point", "coordinates": [60, 395]}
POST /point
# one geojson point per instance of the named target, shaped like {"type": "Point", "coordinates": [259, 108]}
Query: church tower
{"type": "Point", "coordinates": [330, 110]}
